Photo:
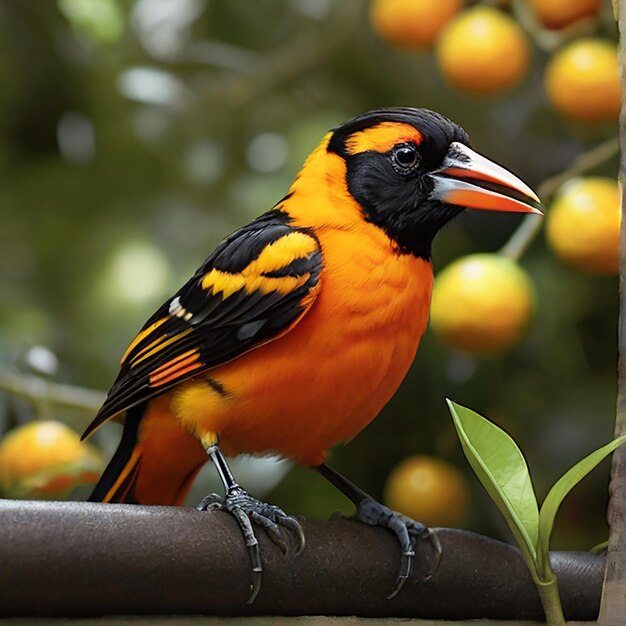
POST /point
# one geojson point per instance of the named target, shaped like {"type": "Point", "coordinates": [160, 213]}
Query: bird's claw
{"type": "Point", "coordinates": [407, 532]}
{"type": "Point", "coordinates": [212, 502]}
{"type": "Point", "coordinates": [246, 509]}
{"type": "Point", "coordinates": [436, 544]}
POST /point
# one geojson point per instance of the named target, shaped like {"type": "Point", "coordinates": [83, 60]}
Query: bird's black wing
{"type": "Point", "coordinates": [255, 286]}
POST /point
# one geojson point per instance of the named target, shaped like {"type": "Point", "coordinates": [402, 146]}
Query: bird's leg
{"type": "Point", "coordinates": [371, 512]}
{"type": "Point", "coordinates": [246, 509]}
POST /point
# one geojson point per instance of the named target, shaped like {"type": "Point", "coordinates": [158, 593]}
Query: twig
{"type": "Point", "coordinates": [544, 38]}
{"type": "Point", "coordinates": [584, 162]}
{"type": "Point", "coordinates": [38, 390]}
{"type": "Point", "coordinates": [531, 224]}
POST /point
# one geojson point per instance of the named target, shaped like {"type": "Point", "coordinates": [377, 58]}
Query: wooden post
{"type": "Point", "coordinates": [613, 607]}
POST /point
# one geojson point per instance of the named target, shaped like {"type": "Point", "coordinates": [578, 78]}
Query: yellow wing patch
{"type": "Point", "coordinates": [280, 253]}
{"type": "Point", "coordinates": [274, 257]}
{"type": "Point", "coordinates": [382, 137]}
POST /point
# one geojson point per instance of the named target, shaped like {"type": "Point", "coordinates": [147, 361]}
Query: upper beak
{"type": "Point", "coordinates": [470, 180]}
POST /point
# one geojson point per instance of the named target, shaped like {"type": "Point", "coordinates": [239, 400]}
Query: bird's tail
{"type": "Point", "coordinates": [155, 462]}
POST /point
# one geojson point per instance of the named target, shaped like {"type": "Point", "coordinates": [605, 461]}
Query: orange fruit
{"type": "Point", "coordinates": [412, 23]}
{"type": "Point", "coordinates": [45, 459]}
{"type": "Point", "coordinates": [483, 51]}
{"type": "Point", "coordinates": [482, 303]}
{"type": "Point", "coordinates": [429, 490]}
{"type": "Point", "coordinates": [557, 14]}
{"type": "Point", "coordinates": [584, 224]}
{"type": "Point", "coordinates": [582, 80]}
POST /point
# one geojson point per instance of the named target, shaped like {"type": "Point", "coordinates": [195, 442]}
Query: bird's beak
{"type": "Point", "coordinates": [469, 180]}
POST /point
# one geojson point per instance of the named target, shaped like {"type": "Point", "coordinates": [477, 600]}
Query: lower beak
{"type": "Point", "coordinates": [469, 180]}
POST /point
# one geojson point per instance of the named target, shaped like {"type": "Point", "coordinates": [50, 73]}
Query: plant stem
{"type": "Point", "coordinates": [551, 602]}
{"type": "Point", "coordinates": [522, 237]}
{"type": "Point", "coordinates": [530, 226]}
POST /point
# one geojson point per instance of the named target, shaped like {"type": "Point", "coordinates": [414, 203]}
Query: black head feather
{"type": "Point", "coordinates": [394, 199]}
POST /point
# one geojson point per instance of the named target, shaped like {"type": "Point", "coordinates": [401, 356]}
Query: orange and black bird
{"type": "Point", "coordinates": [300, 326]}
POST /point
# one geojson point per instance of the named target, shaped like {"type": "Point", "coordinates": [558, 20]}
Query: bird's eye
{"type": "Point", "coordinates": [404, 158]}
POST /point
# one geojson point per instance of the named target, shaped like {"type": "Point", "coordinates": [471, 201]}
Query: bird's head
{"type": "Point", "coordinates": [412, 171]}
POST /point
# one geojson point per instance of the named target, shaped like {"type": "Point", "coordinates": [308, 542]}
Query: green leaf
{"type": "Point", "coordinates": [558, 492]}
{"type": "Point", "coordinates": [502, 470]}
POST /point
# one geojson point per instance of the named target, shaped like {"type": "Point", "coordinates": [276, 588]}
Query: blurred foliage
{"type": "Point", "coordinates": [134, 135]}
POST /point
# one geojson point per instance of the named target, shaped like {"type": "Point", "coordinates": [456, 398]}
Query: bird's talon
{"type": "Point", "coordinates": [406, 566]}
{"type": "Point", "coordinates": [277, 539]}
{"type": "Point", "coordinates": [406, 571]}
{"type": "Point", "coordinates": [397, 587]}
{"type": "Point", "coordinates": [271, 528]}
{"type": "Point", "coordinates": [211, 502]}
{"type": "Point", "coordinates": [255, 586]}
{"type": "Point", "coordinates": [301, 541]}
{"type": "Point", "coordinates": [248, 510]}
{"type": "Point", "coordinates": [436, 544]}
{"type": "Point", "coordinates": [279, 542]}
{"type": "Point", "coordinates": [406, 530]}
{"type": "Point", "coordinates": [294, 525]}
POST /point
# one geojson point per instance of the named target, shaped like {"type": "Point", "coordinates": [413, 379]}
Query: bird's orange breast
{"type": "Point", "coordinates": [328, 377]}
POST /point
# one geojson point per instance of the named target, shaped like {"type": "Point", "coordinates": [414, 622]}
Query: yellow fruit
{"type": "Point", "coordinates": [428, 489]}
{"type": "Point", "coordinates": [584, 224]}
{"type": "Point", "coordinates": [45, 460]}
{"type": "Point", "coordinates": [483, 51]}
{"type": "Point", "coordinates": [482, 303]}
{"type": "Point", "coordinates": [582, 81]}
{"type": "Point", "coordinates": [557, 14]}
{"type": "Point", "coordinates": [412, 23]}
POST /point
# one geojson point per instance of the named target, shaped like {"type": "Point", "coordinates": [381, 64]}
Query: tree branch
{"type": "Point", "coordinates": [86, 559]}
{"type": "Point", "coordinates": [530, 226]}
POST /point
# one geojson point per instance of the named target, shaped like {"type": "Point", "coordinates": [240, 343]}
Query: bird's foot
{"type": "Point", "coordinates": [246, 509]}
{"type": "Point", "coordinates": [407, 532]}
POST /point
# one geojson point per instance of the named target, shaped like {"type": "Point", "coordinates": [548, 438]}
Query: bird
{"type": "Point", "coordinates": [300, 326]}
